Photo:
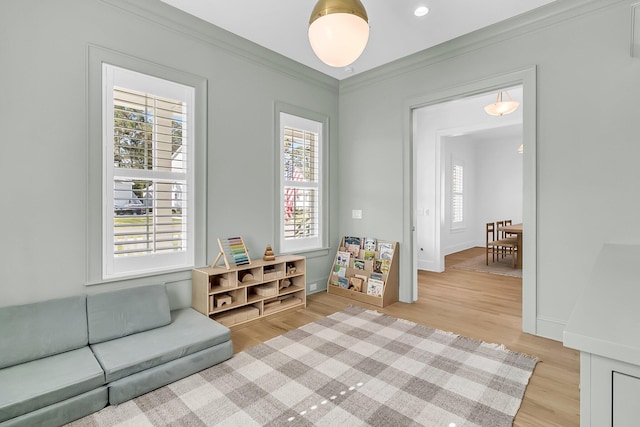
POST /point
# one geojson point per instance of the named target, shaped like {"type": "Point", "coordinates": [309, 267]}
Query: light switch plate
{"type": "Point", "coordinates": [356, 214]}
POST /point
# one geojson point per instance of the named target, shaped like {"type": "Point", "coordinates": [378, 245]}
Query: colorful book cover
{"type": "Point", "coordinates": [377, 266]}
{"type": "Point", "coordinates": [369, 244]}
{"type": "Point", "coordinates": [343, 258]}
{"type": "Point", "coordinates": [386, 250]}
{"type": "Point", "coordinates": [375, 287]}
{"type": "Point", "coordinates": [348, 240]}
{"type": "Point", "coordinates": [355, 284]}
{"type": "Point", "coordinates": [340, 270]}
{"type": "Point", "coordinates": [376, 276]}
{"type": "Point", "coordinates": [361, 276]}
{"type": "Point", "coordinates": [354, 250]}
{"type": "Point", "coordinates": [358, 264]}
{"type": "Point", "coordinates": [343, 282]}
{"type": "Point", "coordinates": [385, 264]}
{"type": "Point", "coordinates": [369, 255]}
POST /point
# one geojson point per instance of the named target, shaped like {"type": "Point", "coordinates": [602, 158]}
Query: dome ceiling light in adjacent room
{"type": "Point", "coordinates": [500, 107]}
{"type": "Point", "coordinates": [338, 31]}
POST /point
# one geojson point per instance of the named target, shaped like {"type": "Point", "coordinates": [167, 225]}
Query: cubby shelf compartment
{"type": "Point", "coordinates": [230, 297]}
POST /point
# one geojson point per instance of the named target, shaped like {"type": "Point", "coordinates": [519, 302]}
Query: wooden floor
{"type": "Point", "coordinates": [478, 305]}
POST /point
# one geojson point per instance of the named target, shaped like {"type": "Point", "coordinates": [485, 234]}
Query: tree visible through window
{"type": "Point", "coordinates": [147, 177]}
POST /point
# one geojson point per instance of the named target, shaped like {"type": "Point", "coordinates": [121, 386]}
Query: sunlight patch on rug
{"type": "Point", "coordinates": [353, 368]}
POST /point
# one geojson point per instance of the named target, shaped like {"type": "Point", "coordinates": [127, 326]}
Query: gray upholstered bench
{"type": "Point", "coordinates": [63, 359]}
{"type": "Point", "coordinates": [141, 345]}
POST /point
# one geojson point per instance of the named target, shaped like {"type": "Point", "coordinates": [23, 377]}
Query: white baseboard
{"type": "Point", "coordinates": [428, 265]}
{"type": "Point", "coordinates": [459, 247]}
{"type": "Point", "coordinates": [550, 328]}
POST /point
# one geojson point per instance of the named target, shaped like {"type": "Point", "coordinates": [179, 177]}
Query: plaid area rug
{"type": "Point", "coordinates": [353, 368]}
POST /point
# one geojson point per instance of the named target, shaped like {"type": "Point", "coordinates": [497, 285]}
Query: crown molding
{"type": "Point", "coordinates": [172, 19]}
{"type": "Point", "coordinates": [549, 15]}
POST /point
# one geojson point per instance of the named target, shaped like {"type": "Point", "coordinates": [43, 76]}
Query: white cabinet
{"type": "Point", "coordinates": [626, 400]}
{"type": "Point", "coordinates": [605, 327]}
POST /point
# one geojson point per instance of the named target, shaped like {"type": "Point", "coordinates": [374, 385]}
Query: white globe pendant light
{"type": "Point", "coordinates": [338, 31]}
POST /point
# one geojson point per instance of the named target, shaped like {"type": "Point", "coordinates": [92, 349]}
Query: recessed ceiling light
{"type": "Point", "coordinates": [421, 11]}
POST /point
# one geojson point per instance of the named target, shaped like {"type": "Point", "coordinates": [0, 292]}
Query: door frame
{"type": "Point", "coordinates": [527, 78]}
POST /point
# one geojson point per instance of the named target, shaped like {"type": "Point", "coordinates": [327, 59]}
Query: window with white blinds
{"type": "Point", "coordinates": [148, 178]}
{"type": "Point", "coordinates": [457, 194]}
{"type": "Point", "coordinates": [301, 183]}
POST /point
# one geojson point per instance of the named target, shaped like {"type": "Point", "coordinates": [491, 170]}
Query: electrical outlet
{"type": "Point", "coordinates": [313, 287]}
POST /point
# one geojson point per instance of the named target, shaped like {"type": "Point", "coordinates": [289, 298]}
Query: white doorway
{"type": "Point", "coordinates": [485, 149]}
{"type": "Point", "coordinates": [426, 208]}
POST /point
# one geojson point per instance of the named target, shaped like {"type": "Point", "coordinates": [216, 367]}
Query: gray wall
{"type": "Point", "coordinates": [588, 103]}
{"type": "Point", "coordinates": [588, 110]}
{"type": "Point", "coordinates": [43, 117]}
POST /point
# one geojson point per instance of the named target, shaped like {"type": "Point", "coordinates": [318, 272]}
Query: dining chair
{"type": "Point", "coordinates": [505, 243]}
{"type": "Point", "coordinates": [490, 241]}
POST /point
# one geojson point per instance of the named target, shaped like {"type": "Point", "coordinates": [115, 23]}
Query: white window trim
{"type": "Point", "coordinates": [95, 242]}
{"type": "Point", "coordinates": [114, 267]}
{"type": "Point", "coordinates": [286, 115]}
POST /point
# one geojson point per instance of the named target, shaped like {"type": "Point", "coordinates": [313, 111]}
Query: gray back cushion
{"type": "Point", "coordinates": [34, 331]}
{"type": "Point", "coordinates": [124, 312]}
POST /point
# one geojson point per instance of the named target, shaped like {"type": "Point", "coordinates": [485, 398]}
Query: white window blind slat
{"type": "Point", "coordinates": [148, 172]}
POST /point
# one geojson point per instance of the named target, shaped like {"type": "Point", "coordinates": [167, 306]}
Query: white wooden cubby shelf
{"type": "Point", "coordinates": [244, 293]}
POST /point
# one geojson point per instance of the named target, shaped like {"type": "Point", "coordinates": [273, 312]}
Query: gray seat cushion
{"type": "Point", "coordinates": [124, 312]}
{"type": "Point", "coordinates": [188, 333]}
{"type": "Point", "coordinates": [34, 385]}
{"type": "Point", "coordinates": [33, 331]}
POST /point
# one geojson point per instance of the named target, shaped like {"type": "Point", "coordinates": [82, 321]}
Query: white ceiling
{"type": "Point", "coordinates": [281, 25]}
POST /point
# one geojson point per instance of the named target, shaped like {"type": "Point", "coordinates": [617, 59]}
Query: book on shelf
{"type": "Point", "coordinates": [362, 277]}
{"type": "Point", "coordinates": [350, 240]}
{"type": "Point", "coordinates": [340, 271]}
{"type": "Point", "coordinates": [343, 258]}
{"type": "Point", "coordinates": [377, 266]}
{"type": "Point", "coordinates": [369, 255]}
{"type": "Point", "coordinates": [354, 250]}
{"type": "Point", "coordinates": [343, 282]}
{"type": "Point", "coordinates": [376, 276]}
{"type": "Point", "coordinates": [375, 287]}
{"type": "Point", "coordinates": [358, 264]}
{"type": "Point", "coordinates": [385, 265]}
{"type": "Point", "coordinates": [369, 244]}
{"type": "Point", "coordinates": [385, 250]}
{"type": "Point", "coordinates": [355, 284]}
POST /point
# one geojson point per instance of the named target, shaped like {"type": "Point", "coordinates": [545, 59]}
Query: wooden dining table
{"type": "Point", "coordinates": [517, 230]}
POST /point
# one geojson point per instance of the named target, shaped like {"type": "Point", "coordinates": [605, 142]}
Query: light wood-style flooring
{"type": "Point", "coordinates": [478, 305]}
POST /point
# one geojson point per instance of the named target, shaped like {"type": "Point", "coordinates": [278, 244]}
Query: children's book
{"type": "Point", "coordinates": [343, 258]}
{"type": "Point", "coordinates": [355, 284]}
{"type": "Point", "coordinates": [340, 270]}
{"type": "Point", "coordinates": [369, 244]}
{"type": "Point", "coordinates": [354, 250]}
{"type": "Point", "coordinates": [343, 282]}
{"type": "Point", "coordinates": [362, 277]}
{"type": "Point", "coordinates": [369, 255]}
{"type": "Point", "coordinates": [385, 264]}
{"type": "Point", "coordinates": [376, 276]}
{"type": "Point", "coordinates": [386, 250]}
{"type": "Point", "coordinates": [358, 264]}
{"type": "Point", "coordinates": [349, 240]}
{"type": "Point", "coordinates": [375, 287]}
{"type": "Point", "coordinates": [377, 266]}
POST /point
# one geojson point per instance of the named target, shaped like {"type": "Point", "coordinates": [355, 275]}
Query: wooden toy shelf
{"type": "Point", "coordinates": [241, 294]}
